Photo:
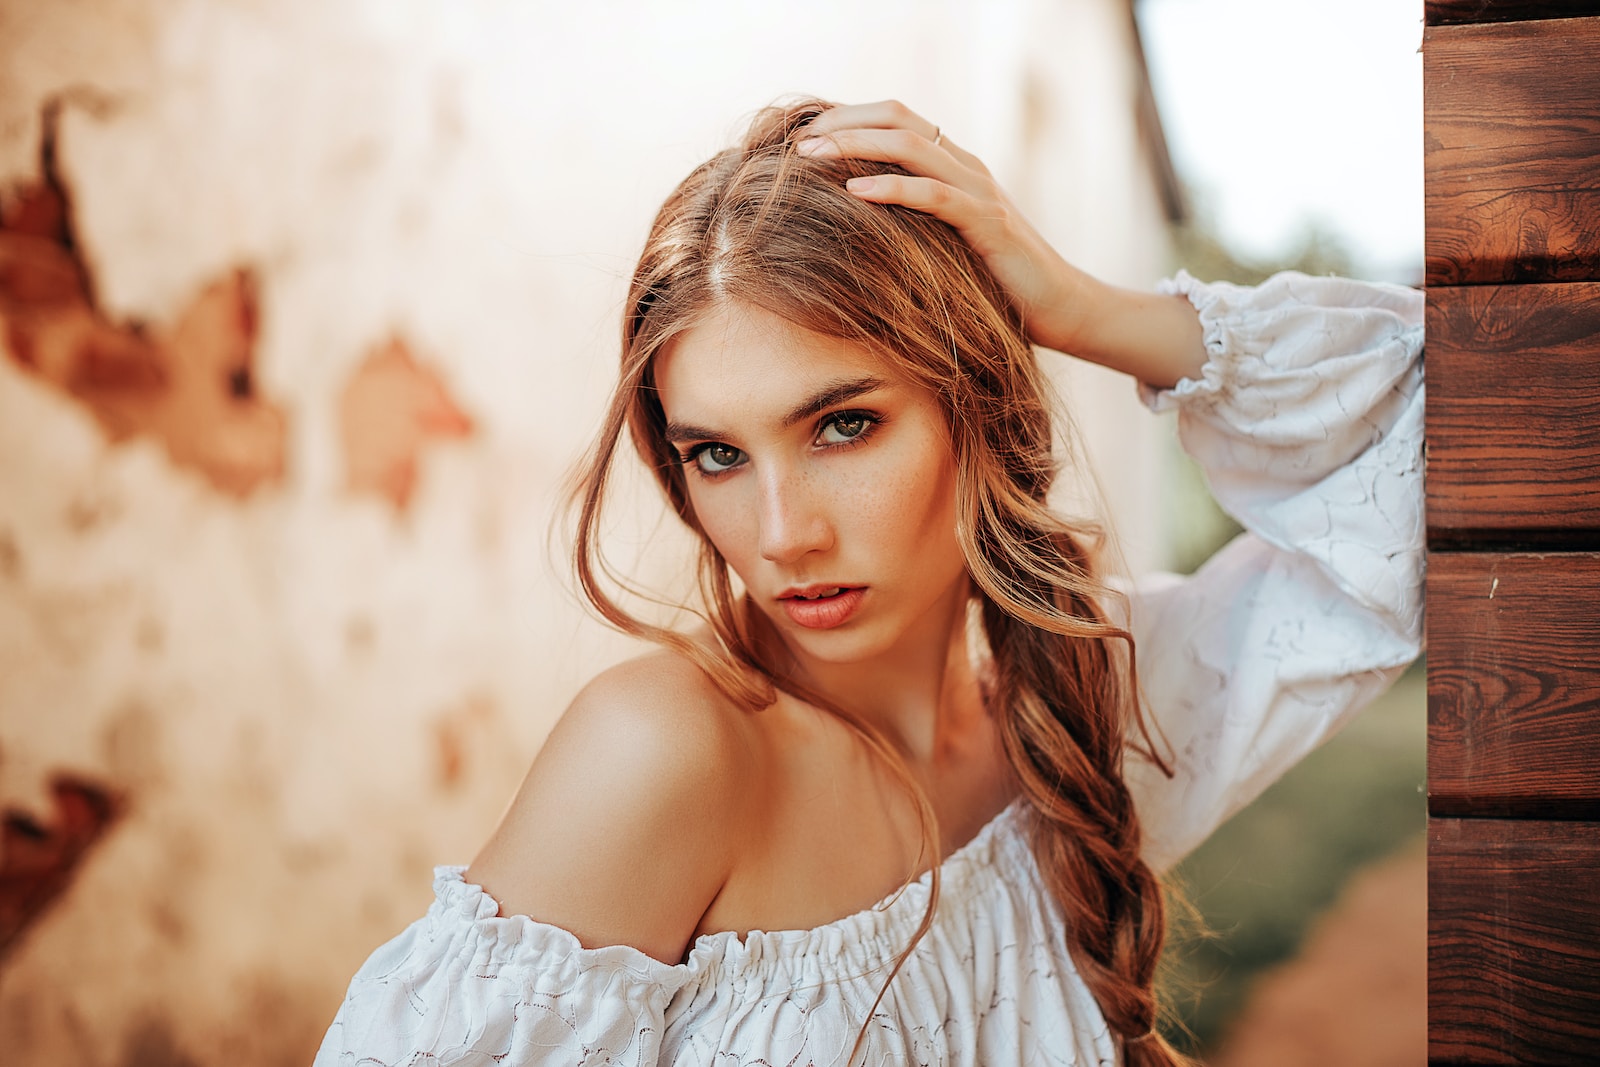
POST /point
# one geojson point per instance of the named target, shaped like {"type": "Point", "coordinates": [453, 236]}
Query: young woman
{"type": "Point", "coordinates": [904, 798]}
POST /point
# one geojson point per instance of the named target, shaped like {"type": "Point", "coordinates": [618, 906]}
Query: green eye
{"type": "Point", "coordinates": [716, 458]}
{"type": "Point", "coordinates": [844, 427]}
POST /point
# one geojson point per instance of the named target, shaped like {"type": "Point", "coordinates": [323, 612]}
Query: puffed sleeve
{"type": "Point", "coordinates": [463, 986]}
{"type": "Point", "coordinates": [1307, 421]}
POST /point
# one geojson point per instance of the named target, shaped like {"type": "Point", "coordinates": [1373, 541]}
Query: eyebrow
{"type": "Point", "coordinates": [836, 392]}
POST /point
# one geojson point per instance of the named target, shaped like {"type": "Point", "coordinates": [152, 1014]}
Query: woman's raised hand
{"type": "Point", "coordinates": [1156, 339]}
{"type": "Point", "coordinates": [952, 184]}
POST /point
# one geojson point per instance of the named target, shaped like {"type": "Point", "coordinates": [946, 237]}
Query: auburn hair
{"type": "Point", "coordinates": [761, 225]}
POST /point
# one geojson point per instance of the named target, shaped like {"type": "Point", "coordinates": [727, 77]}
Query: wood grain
{"type": "Point", "coordinates": [1440, 12]}
{"type": "Point", "coordinates": [1513, 415]}
{"type": "Point", "coordinates": [1512, 151]}
{"type": "Point", "coordinates": [1513, 942]}
{"type": "Point", "coordinates": [1514, 684]}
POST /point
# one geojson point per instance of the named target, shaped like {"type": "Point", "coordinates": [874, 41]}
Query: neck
{"type": "Point", "coordinates": [922, 694]}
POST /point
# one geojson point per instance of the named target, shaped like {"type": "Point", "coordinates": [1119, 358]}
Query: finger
{"type": "Point", "coordinates": [889, 115]}
{"type": "Point", "coordinates": [881, 114]}
{"type": "Point", "coordinates": [910, 150]}
{"type": "Point", "coordinates": [945, 202]}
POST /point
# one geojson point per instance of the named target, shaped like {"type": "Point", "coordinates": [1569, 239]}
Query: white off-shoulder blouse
{"type": "Point", "coordinates": [1307, 419]}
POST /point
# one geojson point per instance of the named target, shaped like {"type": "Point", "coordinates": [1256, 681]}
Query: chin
{"type": "Point", "coordinates": [856, 642]}
{"type": "Point", "coordinates": [835, 647]}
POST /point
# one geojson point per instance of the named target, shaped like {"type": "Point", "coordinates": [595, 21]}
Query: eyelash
{"type": "Point", "coordinates": [690, 457]}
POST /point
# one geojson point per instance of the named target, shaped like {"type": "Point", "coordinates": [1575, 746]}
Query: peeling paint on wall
{"type": "Point", "coordinates": [390, 408]}
{"type": "Point", "coordinates": [38, 857]}
{"type": "Point", "coordinates": [190, 386]}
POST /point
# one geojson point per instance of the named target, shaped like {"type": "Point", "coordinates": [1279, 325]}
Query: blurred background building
{"type": "Point", "coordinates": [305, 310]}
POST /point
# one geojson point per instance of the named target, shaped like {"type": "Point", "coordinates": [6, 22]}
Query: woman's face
{"type": "Point", "coordinates": [825, 481]}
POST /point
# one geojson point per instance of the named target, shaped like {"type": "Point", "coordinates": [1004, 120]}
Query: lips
{"type": "Point", "coordinates": [821, 607]}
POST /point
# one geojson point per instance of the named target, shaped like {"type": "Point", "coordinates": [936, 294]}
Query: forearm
{"type": "Point", "coordinates": [1156, 339]}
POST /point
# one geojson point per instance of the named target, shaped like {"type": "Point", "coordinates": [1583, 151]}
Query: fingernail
{"type": "Point", "coordinates": [860, 185]}
{"type": "Point", "coordinates": [810, 146]}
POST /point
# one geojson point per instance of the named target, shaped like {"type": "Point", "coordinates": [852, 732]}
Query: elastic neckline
{"type": "Point", "coordinates": [863, 941]}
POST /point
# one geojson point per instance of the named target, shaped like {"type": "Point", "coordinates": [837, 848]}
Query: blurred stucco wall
{"type": "Point", "coordinates": [306, 308]}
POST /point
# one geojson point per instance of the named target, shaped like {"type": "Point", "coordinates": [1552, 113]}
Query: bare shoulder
{"type": "Point", "coordinates": [629, 821]}
{"type": "Point", "coordinates": [658, 711]}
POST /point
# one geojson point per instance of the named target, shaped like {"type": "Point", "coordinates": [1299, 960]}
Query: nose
{"type": "Point", "coordinates": [793, 516]}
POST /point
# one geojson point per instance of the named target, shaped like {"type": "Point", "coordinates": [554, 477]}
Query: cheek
{"type": "Point", "coordinates": [727, 523]}
{"type": "Point", "coordinates": [911, 505]}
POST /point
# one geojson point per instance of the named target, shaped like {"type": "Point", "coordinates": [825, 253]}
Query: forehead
{"type": "Point", "coordinates": [748, 361]}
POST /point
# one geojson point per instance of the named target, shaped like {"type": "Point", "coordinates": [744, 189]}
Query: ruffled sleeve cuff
{"type": "Point", "coordinates": [1307, 421]}
{"type": "Point", "coordinates": [1261, 335]}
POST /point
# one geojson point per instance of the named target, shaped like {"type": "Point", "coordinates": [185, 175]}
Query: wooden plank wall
{"type": "Point", "coordinates": [1512, 143]}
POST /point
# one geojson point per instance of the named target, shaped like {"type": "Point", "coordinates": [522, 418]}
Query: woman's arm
{"type": "Point", "coordinates": [1307, 421]}
{"type": "Point", "coordinates": [1154, 338]}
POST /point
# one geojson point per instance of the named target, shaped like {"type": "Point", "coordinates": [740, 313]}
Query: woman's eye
{"type": "Point", "coordinates": [845, 427]}
{"type": "Point", "coordinates": [716, 458]}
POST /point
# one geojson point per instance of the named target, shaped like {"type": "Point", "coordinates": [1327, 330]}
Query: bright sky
{"type": "Point", "coordinates": [1282, 111]}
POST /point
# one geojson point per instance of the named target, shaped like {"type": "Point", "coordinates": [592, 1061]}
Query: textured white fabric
{"type": "Point", "coordinates": [1307, 420]}
{"type": "Point", "coordinates": [988, 985]}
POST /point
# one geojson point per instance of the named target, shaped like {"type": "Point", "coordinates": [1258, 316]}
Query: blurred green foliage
{"type": "Point", "coordinates": [1315, 250]}
{"type": "Point", "coordinates": [1196, 525]}
{"type": "Point", "coordinates": [1264, 877]}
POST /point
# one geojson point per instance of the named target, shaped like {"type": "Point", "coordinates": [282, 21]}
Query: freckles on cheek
{"type": "Point", "coordinates": [926, 484]}
{"type": "Point", "coordinates": [908, 505]}
{"type": "Point", "coordinates": [722, 522]}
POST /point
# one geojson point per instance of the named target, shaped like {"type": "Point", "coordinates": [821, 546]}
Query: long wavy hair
{"type": "Point", "coordinates": [761, 225]}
